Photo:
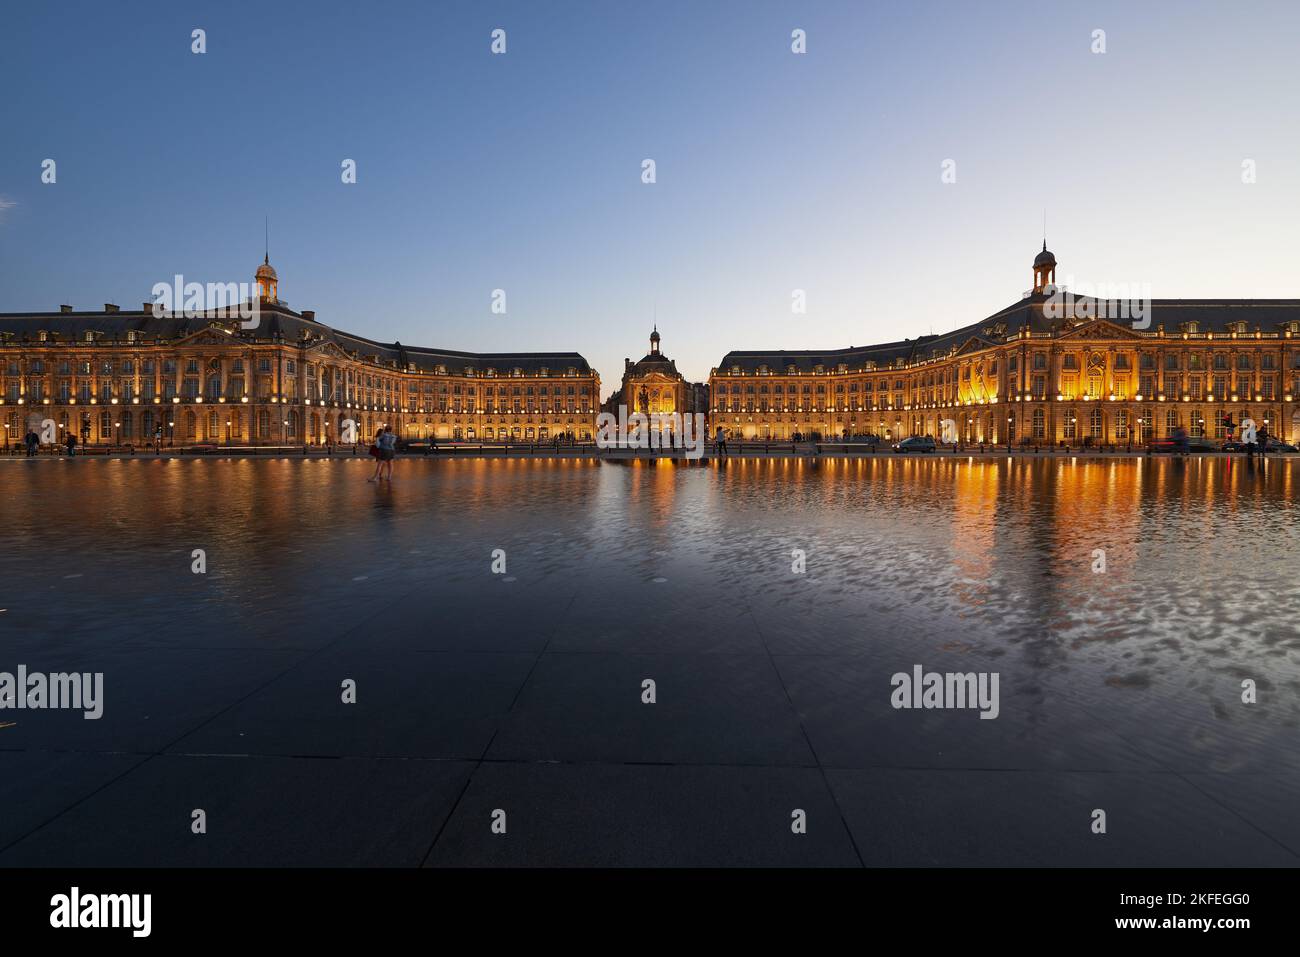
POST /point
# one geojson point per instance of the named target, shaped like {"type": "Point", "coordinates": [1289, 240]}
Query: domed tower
{"type": "Point", "coordinates": [268, 284]}
{"type": "Point", "coordinates": [654, 341]}
{"type": "Point", "coordinates": [1044, 269]}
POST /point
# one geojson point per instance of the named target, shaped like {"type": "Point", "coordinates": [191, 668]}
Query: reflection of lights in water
{"type": "Point", "coordinates": [902, 553]}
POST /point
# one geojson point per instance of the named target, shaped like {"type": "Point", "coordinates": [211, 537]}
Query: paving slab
{"type": "Point", "coordinates": [567, 815]}
{"type": "Point", "coordinates": [260, 812]}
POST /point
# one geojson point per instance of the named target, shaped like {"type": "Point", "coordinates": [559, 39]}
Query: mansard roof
{"type": "Point", "coordinates": [277, 321]}
{"type": "Point", "coordinates": [1173, 315]}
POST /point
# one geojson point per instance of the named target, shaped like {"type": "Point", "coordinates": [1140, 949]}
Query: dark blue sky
{"type": "Point", "coordinates": [522, 172]}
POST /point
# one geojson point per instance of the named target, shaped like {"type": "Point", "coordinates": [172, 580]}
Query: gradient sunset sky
{"type": "Point", "coordinates": [522, 172]}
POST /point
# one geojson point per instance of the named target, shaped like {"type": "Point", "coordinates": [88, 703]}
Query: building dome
{"type": "Point", "coordinates": [267, 282]}
{"type": "Point", "coordinates": [1044, 258]}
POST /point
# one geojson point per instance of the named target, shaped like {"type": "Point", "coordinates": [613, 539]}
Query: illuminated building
{"type": "Point", "coordinates": [1048, 369]}
{"type": "Point", "coordinates": [653, 385]}
{"type": "Point", "coordinates": [119, 377]}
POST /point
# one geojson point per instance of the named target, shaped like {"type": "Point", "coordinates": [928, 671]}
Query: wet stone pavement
{"type": "Point", "coordinates": [500, 621]}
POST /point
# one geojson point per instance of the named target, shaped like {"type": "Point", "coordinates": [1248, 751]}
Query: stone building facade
{"type": "Point", "coordinates": [130, 377]}
{"type": "Point", "coordinates": [1048, 369]}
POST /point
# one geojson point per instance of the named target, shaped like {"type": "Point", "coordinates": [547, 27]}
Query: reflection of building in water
{"type": "Point", "coordinates": [1046, 369]}
{"type": "Point", "coordinates": [653, 384]}
{"type": "Point", "coordinates": [119, 376]}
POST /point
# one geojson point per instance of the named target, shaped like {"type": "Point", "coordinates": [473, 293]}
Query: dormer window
{"type": "Point", "coordinates": [792, 370]}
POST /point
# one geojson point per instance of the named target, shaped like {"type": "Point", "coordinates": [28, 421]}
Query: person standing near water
{"type": "Point", "coordinates": [387, 451]}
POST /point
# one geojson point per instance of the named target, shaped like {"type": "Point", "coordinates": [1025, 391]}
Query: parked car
{"type": "Point", "coordinates": [1274, 445]}
{"type": "Point", "coordinates": [917, 443]}
{"type": "Point", "coordinates": [413, 445]}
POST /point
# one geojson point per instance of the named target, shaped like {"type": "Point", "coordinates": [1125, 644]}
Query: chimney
{"type": "Point", "coordinates": [309, 315]}
{"type": "Point", "coordinates": [65, 308]}
{"type": "Point", "coordinates": [110, 307]}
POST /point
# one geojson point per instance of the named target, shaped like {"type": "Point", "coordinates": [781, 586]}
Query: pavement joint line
{"type": "Point", "coordinates": [84, 798]}
{"type": "Point", "coordinates": [497, 730]}
{"type": "Point", "coordinates": [1182, 776]}
{"type": "Point", "coordinates": [197, 727]}
{"type": "Point", "coordinates": [830, 791]}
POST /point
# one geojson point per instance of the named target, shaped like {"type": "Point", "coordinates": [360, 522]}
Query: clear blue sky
{"type": "Point", "coordinates": [523, 172]}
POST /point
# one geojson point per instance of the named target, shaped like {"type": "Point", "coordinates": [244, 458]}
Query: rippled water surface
{"type": "Point", "coordinates": [983, 563]}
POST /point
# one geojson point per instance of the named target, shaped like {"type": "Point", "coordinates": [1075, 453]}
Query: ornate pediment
{"type": "Point", "coordinates": [974, 344]}
{"type": "Point", "coordinates": [327, 348]}
{"type": "Point", "coordinates": [211, 336]}
{"type": "Point", "coordinates": [1100, 329]}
